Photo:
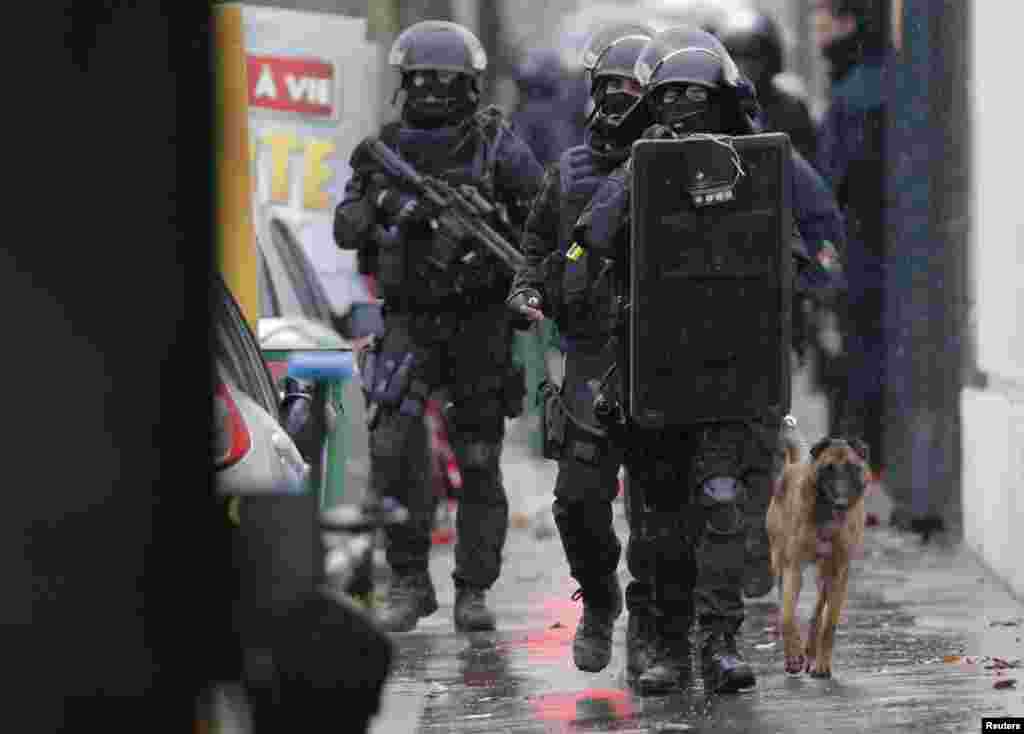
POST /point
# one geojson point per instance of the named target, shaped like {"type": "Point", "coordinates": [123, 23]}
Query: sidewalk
{"type": "Point", "coordinates": [927, 636]}
{"type": "Point", "coordinates": [929, 641]}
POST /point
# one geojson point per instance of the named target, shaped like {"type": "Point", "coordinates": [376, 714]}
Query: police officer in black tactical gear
{"type": "Point", "coordinates": [852, 159]}
{"type": "Point", "coordinates": [554, 284]}
{"type": "Point", "coordinates": [447, 332]}
{"type": "Point", "coordinates": [754, 41]}
{"type": "Point", "coordinates": [688, 559]}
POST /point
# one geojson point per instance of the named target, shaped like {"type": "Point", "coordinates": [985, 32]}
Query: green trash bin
{"type": "Point", "coordinates": [530, 350]}
{"type": "Point", "coordinates": [282, 339]}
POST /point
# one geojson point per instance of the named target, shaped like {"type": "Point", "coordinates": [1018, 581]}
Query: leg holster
{"type": "Point", "coordinates": [565, 437]}
{"type": "Point", "coordinates": [390, 381]}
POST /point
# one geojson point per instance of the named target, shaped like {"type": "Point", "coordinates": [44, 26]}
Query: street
{"type": "Point", "coordinates": [926, 636]}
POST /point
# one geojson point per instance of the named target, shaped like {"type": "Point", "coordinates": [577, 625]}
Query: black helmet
{"type": "Point", "coordinates": [609, 57]}
{"type": "Point", "coordinates": [440, 63]}
{"type": "Point", "coordinates": [703, 79]}
{"type": "Point", "coordinates": [753, 34]}
{"type": "Point", "coordinates": [438, 45]}
{"type": "Point", "coordinates": [613, 50]}
{"type": "Point", "coordinates": [688, 55]}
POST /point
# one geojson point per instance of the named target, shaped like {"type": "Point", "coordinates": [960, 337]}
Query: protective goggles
{"type": "Point", "coordinates": [431, 77]}
{"type": "Point", "coordinates": [622, 85]}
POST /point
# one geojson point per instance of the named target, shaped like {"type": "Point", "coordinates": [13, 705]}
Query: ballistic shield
{"type": "Point", "coordinates": [710, 280]}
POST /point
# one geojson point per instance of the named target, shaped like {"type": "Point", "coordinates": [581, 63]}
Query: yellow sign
{"type": "Point", "coordinates": [236, 243]}
{"type": "Point", "coordinates": [279, 147]}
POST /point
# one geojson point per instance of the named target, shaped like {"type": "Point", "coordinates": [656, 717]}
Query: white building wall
{"type": "Point", "coordinates": [993, 414]}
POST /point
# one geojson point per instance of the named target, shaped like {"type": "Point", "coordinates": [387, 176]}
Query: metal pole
{"type": "Point", "coordinates": [927, 218]}
{"type": "Point", "coordinates": [236, 237]}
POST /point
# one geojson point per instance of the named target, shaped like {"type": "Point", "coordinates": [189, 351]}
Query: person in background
{"type": "Point", "coordinates": [755, 41]}
{"type": "Point", "coordinates": [851, 158]}
{"type": "Point", "coordinates": [543, 118]}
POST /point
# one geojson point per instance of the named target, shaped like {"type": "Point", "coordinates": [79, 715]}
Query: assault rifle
{"type": "Point", "coordinates": [459, 212]}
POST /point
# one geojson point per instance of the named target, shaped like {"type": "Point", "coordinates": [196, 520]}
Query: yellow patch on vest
{"type": "Point", "coordinates": [575, 252]}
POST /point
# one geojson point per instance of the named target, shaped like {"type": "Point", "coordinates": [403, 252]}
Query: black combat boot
{"type": "Point", "coordinates": [724, 669]}
{"type": "Point", "coordinates": [471, 612]}
{"type": "Point", "coordinates": [671, 666]}
{"type": "Point", "coordinates": [641, 639]}
{"type": "Point", "coordinates": [602, 605]}
{"type": "Point", "coordinates": [410, 597]}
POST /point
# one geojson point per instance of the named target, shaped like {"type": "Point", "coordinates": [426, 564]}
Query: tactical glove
{"type": "Point", "coordinates": [393, 204]}
{"type": "Point", "coordinates": [658, 132]}
{"type": "Point", "coordinates": [526, 305]}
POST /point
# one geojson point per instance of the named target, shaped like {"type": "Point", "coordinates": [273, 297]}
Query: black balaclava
{"type": "Point", "coordinates": [438, 98]}
{"type": "Point", "coordinates": [689, 108]}
{"type": "Point", "coordinates": [613, 98]}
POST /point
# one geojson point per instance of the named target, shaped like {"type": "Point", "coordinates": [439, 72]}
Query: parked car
{"type": "Point", "coordinates": [294, 633]}
{"type": "Point", "coordinates": [296, 314]}
{"type": "Point", "coordinates": [252, 451]}
{"type": "Point", "coordinates": [290, 286]}
{"type": "Point", "coordinates": [294, 306]}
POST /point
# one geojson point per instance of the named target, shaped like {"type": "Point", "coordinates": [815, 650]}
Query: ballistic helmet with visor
{"type": "Point", "coordinates": [686, 55]}
{"type": "Point", "coordinates": [692, 84]}
{"type": "Point", "coordinates": [440, 63]}
{"type": "Point", "coordinates": [438, 45]}
{"type": "Point", "coordinates": [613, 50]}
{"type": "Point", "coordinates": [609, 58]}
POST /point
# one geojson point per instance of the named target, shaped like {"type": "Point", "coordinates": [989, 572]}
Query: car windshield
{"type": "Point", "coordinates": [236, 349]}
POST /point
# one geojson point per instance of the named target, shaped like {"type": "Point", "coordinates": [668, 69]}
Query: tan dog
{"type": "Point", "coordinates": [816, 515]}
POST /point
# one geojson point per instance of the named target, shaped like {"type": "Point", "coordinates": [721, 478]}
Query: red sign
{"type": "Point", "coordinates": [305, 86]}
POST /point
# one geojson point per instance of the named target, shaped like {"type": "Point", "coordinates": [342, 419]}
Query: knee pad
{"type": "Point", "coordinates": [721, 501]}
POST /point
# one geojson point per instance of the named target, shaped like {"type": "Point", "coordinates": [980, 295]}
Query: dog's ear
{"type": "Point", "coordinates": [861, 449]}
{"type": "Point", "coordinates": [820, 446]}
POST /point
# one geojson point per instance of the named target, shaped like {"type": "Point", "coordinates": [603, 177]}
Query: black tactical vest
{"type": "Point", "coordinates": [571, 270]}
{"type": "Point", "coordinates": [455, 155]}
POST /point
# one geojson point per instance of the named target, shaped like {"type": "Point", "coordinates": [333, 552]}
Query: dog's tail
{"type": "Point", "coordinates": [793, 445]}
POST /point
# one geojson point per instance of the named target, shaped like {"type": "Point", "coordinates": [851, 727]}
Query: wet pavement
{"type": "Point", "coordinates": [927, 636]}
{"type": "Point", "coordinates": [920, 648]}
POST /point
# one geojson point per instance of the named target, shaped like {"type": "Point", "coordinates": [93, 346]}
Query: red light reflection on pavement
{"type": "Point", "coordinates": [590, 705]}
{"type": "Point", "coordinates": [554, 642]}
